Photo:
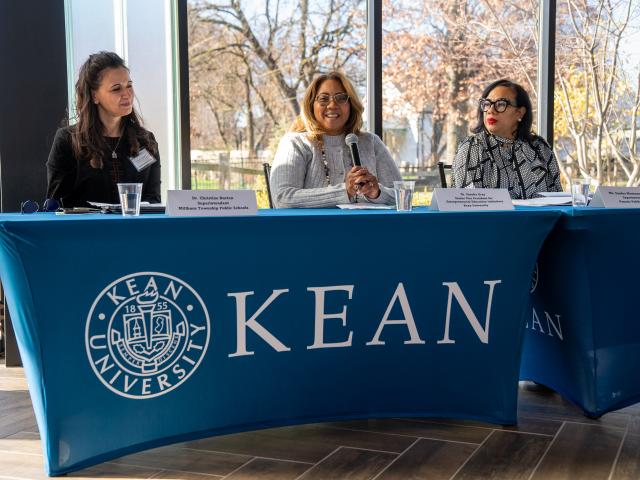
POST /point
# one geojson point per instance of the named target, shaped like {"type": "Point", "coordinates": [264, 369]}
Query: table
{"type": "Point", "coordinates": [140, 332]}
{"type": "Point", "coordinates": [583, 332]}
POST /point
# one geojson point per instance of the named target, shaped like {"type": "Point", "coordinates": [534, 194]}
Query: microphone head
{"type": "Point", "coordinates": [351, 139]}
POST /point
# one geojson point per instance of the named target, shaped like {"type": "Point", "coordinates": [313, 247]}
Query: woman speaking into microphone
{"type": "Point", "coordinates": [314, 167]}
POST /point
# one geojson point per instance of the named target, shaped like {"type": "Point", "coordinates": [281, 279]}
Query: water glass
{"type": "Point", "coordinates": [580, 192]}
{"type": "Point", "coordinates": [403, 190]}
{"type": "Point", "coordinates": [130, 194]}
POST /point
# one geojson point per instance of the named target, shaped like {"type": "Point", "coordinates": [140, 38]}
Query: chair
{"type": "Point", "coordinates": [443, 177]}
{"type": "Point", "coordinates": [267, 174]}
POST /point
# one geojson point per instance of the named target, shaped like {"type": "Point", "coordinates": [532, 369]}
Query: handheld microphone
{"type": "Point", "coordinates": [352, 142]}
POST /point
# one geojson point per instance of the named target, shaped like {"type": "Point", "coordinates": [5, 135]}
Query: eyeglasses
{"type": "Point", "coordinates": [500, 105]}
{"type": "Point", "coordinates": [49, 205]}
{"type": "Point", "coordinates": [324, 99]}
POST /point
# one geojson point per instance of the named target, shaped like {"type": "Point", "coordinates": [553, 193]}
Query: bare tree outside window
{"type": "Point", "coordinates": [597, 98]}
{"type": "Point", "coordinates": [438, 57]}
{"type": "Point", "coordinates": [436, 66]}
{"type": "Point", "coordinates": [249, 63]}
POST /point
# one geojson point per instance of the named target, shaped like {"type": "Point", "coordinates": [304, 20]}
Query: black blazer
{"type": "Point", "coordinates": [75, 182]}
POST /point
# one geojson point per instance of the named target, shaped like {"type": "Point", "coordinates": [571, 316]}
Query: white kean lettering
{"type": "Point", "coordinates": [242, 324]}
{"type": "Point", "coordinates": [401, 295]}
{"type": "Point", "coordinates": [455, 291]}
{"type": "Point", "coordinates": [321, 316]}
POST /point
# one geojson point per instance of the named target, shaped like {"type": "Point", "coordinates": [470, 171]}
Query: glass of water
{"type": "Point", "coordinates": [403, 190]}
{"type": "Point", "coordinates": [580, 192]}
{"type": "Point", "coordinates": [130, 194]}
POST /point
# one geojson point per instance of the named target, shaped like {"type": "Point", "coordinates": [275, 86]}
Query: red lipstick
{"type": "Point", "coordinates": [492, 121]}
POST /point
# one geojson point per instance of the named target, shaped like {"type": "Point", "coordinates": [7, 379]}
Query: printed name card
{"type": "Point", "coordinates": [616, 197]}
{"type": "Point", "coordinates": [470, 199]}
{"type": "Point", "coordinates": [211, 203]}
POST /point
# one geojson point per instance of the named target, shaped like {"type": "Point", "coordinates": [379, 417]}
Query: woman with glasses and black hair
{"type": "Point", "coordinates": [108, 145]}
{"type": "Point", "coordinates": [503, 152]}
{"type": "Point", "coordinates": [313, 167]}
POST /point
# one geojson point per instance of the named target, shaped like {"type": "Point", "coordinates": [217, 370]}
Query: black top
{"type": "Point", "coordinates": [75, 182]}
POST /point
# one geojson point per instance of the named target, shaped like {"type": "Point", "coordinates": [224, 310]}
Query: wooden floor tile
{"type": "Point", "coordinates": [349, 464]}
{"type": "Point", "coordinates": [566, 411]}
{"type": "Point", "coordinates": [628, 463]}
{"type": "Point", "coordinates": [539, 425]}
{"type": "Point", "coordinates": [631, 409]}
{"type": "Point", "coordinates": [17, 419]}
{"type": "Point", "coordinates": [304, 443]}
{"type": "Point", "coordinates": [114, 471]}
{"type": "Point", "coordinates": [634, 425]}
{"type": "Point", "coordinates": [525, 424]}
{"type": "Point", "coordinates": [419, 428]}
{"type": "Point", "coordinates": [22, 442]}
{"type": "Point", "coordinates": [30, 467]}
{"type": "Point", "coordinates": [175, 475]}
{"type": "Point", "coordinates": [429, 460]}
{"type": "Point", "coordinates": [505, 456]}
{"type": "Point", "coordinates": [580, 451]}
{"type": "Point", "coordinates": [186, 460]}
{"type": "Point", "coordinates": [21, 465]}
{"type": "Point", "coordinates": [264, 469]}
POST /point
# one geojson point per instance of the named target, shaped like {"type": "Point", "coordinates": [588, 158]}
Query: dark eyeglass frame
{"type": "Point", "coordinates": [324, 99]}
{"type": "Point", "coordinates": [31, 206]}
{"type": "Point", "coordinates": [500, 105]}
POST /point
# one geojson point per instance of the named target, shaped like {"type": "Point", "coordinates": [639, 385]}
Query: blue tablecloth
{"type": "Point", "coordinates": [583, 333]}
{"type": "Point", "coordinates": [138, 332]}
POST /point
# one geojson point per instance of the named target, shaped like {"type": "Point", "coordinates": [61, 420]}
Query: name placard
{"type": "Point", "coordinates": [211, 203]}
{"type": "Point", "coordinates": [616, 197]}
{"type": "Point", "coordinates": [470, 199]}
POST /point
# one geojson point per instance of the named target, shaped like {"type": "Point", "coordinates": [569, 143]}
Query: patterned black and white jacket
{"type": "Point", "coordinates": [524, 168]}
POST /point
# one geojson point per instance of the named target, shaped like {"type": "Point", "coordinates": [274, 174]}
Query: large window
{"type": "Point", "coordinates": [249, 64]}
{"type": "Point", "coordinates": [438, 55]}
{"type": "Point", "coordinates": [148, 51]}
{"type": "Point", "coordinates": [597, 90]}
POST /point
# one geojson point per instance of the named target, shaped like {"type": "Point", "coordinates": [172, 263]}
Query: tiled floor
{"type": "Point", "coordinates": [553, 440]}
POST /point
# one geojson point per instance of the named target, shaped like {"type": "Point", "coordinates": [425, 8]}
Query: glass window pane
{"type": "Point", "coordinates": [438, 55]}
{"type": "Point", "coordinates": [249, 64]}
{"type": "Point", "coordinates": [597, 90]}
{"type": "Point", "coordinates": [114, 26]}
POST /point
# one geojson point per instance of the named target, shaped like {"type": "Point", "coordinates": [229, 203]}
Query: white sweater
{"type": "Point", "coordinates": [299, 180]}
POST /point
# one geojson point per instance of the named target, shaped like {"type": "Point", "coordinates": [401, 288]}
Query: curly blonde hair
{"type": "Point", "coordinates": [307, 122]}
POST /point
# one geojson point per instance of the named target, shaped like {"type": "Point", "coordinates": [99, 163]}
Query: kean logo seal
{"type": "Point", "coordinates": [146, 334]}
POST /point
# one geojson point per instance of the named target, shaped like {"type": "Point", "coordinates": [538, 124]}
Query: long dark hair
{"type": "Point", "coordinates": [523, 131]}
{"type": "Point", "coordinates": [88, 137]}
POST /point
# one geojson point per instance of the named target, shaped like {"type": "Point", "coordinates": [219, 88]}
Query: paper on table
{"type": "Point", "coordinates": [364, 206]}
{"type": "Point", "coordinates": [111, 205]}
{"type": "Point", "coordinates": [555, 194]}
{"type": "Point", "coordinates": [544, 201]}
{"type": "Point", "coordinates": [145, 207]}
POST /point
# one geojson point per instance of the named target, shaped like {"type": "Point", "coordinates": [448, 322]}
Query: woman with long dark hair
{"type": "Point", "coordinates": [108, 144]}
{"type": "Point", "coordinates": [313, 168]}
{"type": "Point", "coordinates": [503, 152]}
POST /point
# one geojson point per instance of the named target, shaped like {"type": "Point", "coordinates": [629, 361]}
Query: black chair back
{"type": "Point", "coordinates": [267, 174]}
{"type": "Point", "coordinates": [443, 177]}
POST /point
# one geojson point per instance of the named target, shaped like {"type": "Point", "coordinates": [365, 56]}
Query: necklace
{"type": "Point", "coordinates": [326, 166]}
{"type": "Point", "coordinates": [114, 155]}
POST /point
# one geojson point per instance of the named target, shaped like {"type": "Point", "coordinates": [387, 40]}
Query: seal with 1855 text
{"type": "Point", "coordinates": [146, 334]}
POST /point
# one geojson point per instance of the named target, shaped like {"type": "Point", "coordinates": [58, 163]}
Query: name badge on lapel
{"type": "Point", "coordinates": [142, 160]}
